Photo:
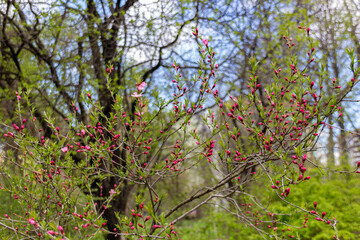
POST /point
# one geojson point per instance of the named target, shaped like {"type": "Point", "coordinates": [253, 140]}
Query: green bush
{"type": "Point", "coordinates": [338, 193]}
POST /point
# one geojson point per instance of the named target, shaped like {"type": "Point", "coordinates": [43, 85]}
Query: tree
{"type": "Point", "coordinates": [55, 168]}
{"type": "Point", "coordinates": [74, 59]}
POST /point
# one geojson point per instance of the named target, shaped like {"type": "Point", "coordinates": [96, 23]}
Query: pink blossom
{"type": "Point", "coordinates": [141, 86]}
{"type": "Point", "coordinates": [32, 222]}
{"type": "Point", "coordinates": [205, 41]}
{"type": "Point", "coordinates": [137, 95]}
{"type": "Point", "coordinates": [65, 149]}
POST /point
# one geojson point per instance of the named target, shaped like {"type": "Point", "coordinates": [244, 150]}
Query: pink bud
{"type": "Point", "coordinates": [61, 229]}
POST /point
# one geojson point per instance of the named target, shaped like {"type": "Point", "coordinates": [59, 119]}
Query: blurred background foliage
{"type": "Point", "coordinates": [339, 193]}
